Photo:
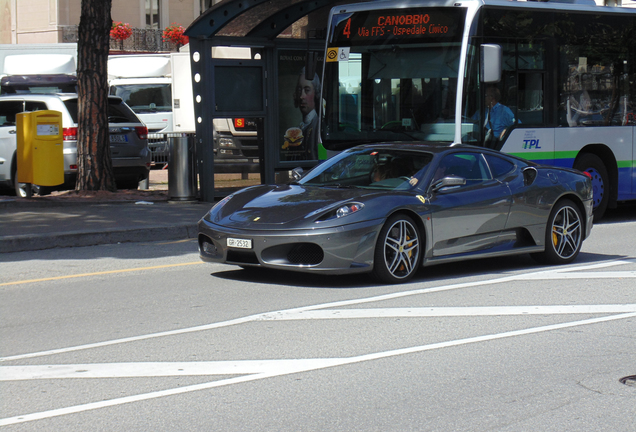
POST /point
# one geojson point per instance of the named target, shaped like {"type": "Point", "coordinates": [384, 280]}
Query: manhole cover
{"type": "Point", "coordinates": [629, 380]}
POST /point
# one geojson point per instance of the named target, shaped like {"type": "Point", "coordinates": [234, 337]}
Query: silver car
{"type": "Point", "coordinates": [128, 139]}
{"type": "Point", "coordinates": [389, 209]}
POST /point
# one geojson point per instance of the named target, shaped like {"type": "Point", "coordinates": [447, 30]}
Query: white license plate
{"type": "Point", "coordinates": [239, 243]}
{"type": "Point", "coordinates": [118, 138]}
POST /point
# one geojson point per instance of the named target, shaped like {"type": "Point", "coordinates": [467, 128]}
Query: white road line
{"type": "Point", "coordinates": [300, 367]}
{"type": "Point", "coordinates": [582, 275]}
{"type": "Point", "coordinates": [547, 274]}
{"type": "Point", "coordinates": [154, 369]}
{"type": "Point", "coordinates": [161, 369]}
{"type": "Point", "coordinates": [422, 312]}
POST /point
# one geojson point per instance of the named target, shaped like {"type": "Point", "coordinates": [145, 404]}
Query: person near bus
{"type": "Point", "coordinates": [498, 117]}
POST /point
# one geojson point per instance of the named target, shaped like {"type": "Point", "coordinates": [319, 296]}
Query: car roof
{"type": "Point", "coordinates": [47, 96]}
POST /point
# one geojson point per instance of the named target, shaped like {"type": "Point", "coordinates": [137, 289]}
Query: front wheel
{"type": "Point", "coordinates": [397, 251]}
{"type": "Point", "coordinates": [563, 235]}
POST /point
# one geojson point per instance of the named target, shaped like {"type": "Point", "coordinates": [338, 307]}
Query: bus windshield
{"type": "Point", "coordinates": [392, 76]}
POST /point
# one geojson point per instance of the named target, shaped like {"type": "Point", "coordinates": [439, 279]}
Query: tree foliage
{"type": "Point", "coordinates": [95, 171]}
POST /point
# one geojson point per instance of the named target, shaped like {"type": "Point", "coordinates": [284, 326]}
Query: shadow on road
{"type": "Point", "coordinates": [444, 273]}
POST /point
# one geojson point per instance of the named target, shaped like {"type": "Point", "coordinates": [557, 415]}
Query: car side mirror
{"type": "Point", "coordinates": [447, 183]}
{"type": "Point", "coordinates": [297, 173]}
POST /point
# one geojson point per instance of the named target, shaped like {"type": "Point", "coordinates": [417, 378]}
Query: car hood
{"type": "Point", "coordinates": [283, 206]}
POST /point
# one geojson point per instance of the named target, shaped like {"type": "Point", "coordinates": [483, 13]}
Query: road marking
{"type": "Point", "coordinates": [584, 275]}
{"type": "Point", "coordinates": [160, 369]}
{"type": "Point", "coordinates": [99, 273]}
{"type": "Point", "coordinates": [300, 366]}
{"type": "Point", "coordinates": [151, 369]}
{"type": "Point", "coordinates": [422, 312]}
{"type": "Point", "coordinates": [342, 303]}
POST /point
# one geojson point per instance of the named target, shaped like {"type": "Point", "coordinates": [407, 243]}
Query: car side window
{"type": "Point", "coordinates": [8, 111]}
{"type": "Point", "coordinates": [470, 166]}
{"type": "Point", "coordinates": [499, 166]}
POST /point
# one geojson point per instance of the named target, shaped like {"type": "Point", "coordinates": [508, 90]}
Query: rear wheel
{"type": "Point", "coordinates": [563, 235]}
{"type": "Point", "coordinates": [593, 165]}
{"type": "Point", "coordinates": [397, 251]}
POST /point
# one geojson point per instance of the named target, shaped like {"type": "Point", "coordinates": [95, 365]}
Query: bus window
{"type": "Point", "coordinates": [530, 99]}
{"type": "Point", "coordinates": [594, 87]}
{"type": "Point", "coordinates": [395, 83]}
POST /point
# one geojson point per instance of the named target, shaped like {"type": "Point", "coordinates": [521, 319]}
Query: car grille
{"type": "Point", "coordinates": [305, 253]}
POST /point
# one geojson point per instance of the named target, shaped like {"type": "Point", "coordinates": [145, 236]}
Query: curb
{"type": "Point", "coordinates": [31, 242]}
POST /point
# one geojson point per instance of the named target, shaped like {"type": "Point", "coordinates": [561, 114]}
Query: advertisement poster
{"type": "Point", "coordinates": [299, 101]}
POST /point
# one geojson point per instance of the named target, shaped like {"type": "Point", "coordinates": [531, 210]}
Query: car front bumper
{"type": "Point", "coordinates": [339, 250]}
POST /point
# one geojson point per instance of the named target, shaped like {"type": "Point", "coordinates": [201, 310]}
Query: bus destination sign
{"type": "Point", "coordinates": [398, 25]}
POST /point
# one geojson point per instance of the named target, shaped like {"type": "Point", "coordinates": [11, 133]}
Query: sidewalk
{"type": "Point", "coordinates": [69, 218]}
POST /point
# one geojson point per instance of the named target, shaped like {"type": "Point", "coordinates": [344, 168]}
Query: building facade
{"type": "Point", "coordinates": [54, 21]}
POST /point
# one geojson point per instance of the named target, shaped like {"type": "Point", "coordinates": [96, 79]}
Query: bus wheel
{"type": "Point", "coordinates": [593, 165]}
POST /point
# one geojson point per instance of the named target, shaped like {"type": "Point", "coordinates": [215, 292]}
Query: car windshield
{"type": "Point", "coordinates": [371, 168]}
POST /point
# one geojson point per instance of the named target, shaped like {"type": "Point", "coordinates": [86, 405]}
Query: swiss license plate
{"type": "Point", "coordinates": [118, 138]}
{"type": "Point", "coordinates": [239, 243]}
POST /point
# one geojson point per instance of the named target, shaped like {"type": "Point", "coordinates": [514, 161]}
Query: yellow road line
{"type": "Point", "coordinates": [98, 273]}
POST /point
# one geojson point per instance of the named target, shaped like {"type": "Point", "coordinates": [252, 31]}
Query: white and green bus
{"type": "Point", "coordinates": [423, 71]}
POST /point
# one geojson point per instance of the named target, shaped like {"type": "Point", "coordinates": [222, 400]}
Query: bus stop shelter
{"type": "Point", "coordinates": [285, 38]}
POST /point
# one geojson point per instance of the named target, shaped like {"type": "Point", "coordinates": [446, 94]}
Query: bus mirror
{"type": "Point", "coordinates": [491, 59]}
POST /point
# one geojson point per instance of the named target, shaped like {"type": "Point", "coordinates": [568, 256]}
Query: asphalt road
{"type": "Point", "coordinates": [143, 337]}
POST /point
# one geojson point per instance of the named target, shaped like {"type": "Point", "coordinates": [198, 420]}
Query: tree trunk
{"type": "Point", "coordinates": [95, 168]}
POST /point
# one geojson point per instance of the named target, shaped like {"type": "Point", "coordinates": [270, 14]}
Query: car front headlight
{"type": "Point", "coordinates": [342, 211]}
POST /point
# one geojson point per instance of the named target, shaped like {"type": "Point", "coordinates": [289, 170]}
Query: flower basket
{"type": "Point", "coordinates": [174, 33]}
{"type": "Point", "coordinates": [120, 31]}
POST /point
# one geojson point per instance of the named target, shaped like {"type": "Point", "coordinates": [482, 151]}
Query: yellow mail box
{"type": "Point", "coordinates": [40, 148]}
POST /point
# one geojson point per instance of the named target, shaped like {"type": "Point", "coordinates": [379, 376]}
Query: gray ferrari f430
{"type": "Point", "coordinates": [389, 209]}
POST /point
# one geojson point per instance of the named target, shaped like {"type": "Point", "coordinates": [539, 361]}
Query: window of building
{"type": "Point", "coordinates": [153, 12]}
{"type": "Point", "coordinates": [206, 4]}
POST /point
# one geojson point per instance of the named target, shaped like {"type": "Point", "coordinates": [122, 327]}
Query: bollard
{"type": "Point", "coordinates": [181, 168]}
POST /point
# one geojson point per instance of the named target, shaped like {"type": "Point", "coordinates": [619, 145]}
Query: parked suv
{"type": "Point", "coordinates": [128, 138]}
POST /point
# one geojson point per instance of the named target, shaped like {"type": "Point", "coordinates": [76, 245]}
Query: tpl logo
{"type": "Point", "coordinates": [531, 144]}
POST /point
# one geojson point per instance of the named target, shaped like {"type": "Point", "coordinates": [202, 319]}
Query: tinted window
{"type": "Point", "coordinates": [470, 166]}
{"type": "Point", "coordinates": [8, 110]}
{"type": "Point", "coordinates": [35, 106]}
{"type": "Point", "coordinates": [118, 112]}
{"type": "Point", "coordinates": [499, 166]}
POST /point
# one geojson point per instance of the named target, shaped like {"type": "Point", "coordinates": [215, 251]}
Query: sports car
{"type": "Point", "coordinates": [389, 209]}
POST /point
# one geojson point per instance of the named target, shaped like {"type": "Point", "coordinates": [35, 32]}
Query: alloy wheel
{"type": "Point", "coordinates": [401, 249]}
{"type": "Point", "coordinates": [566, 232]}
